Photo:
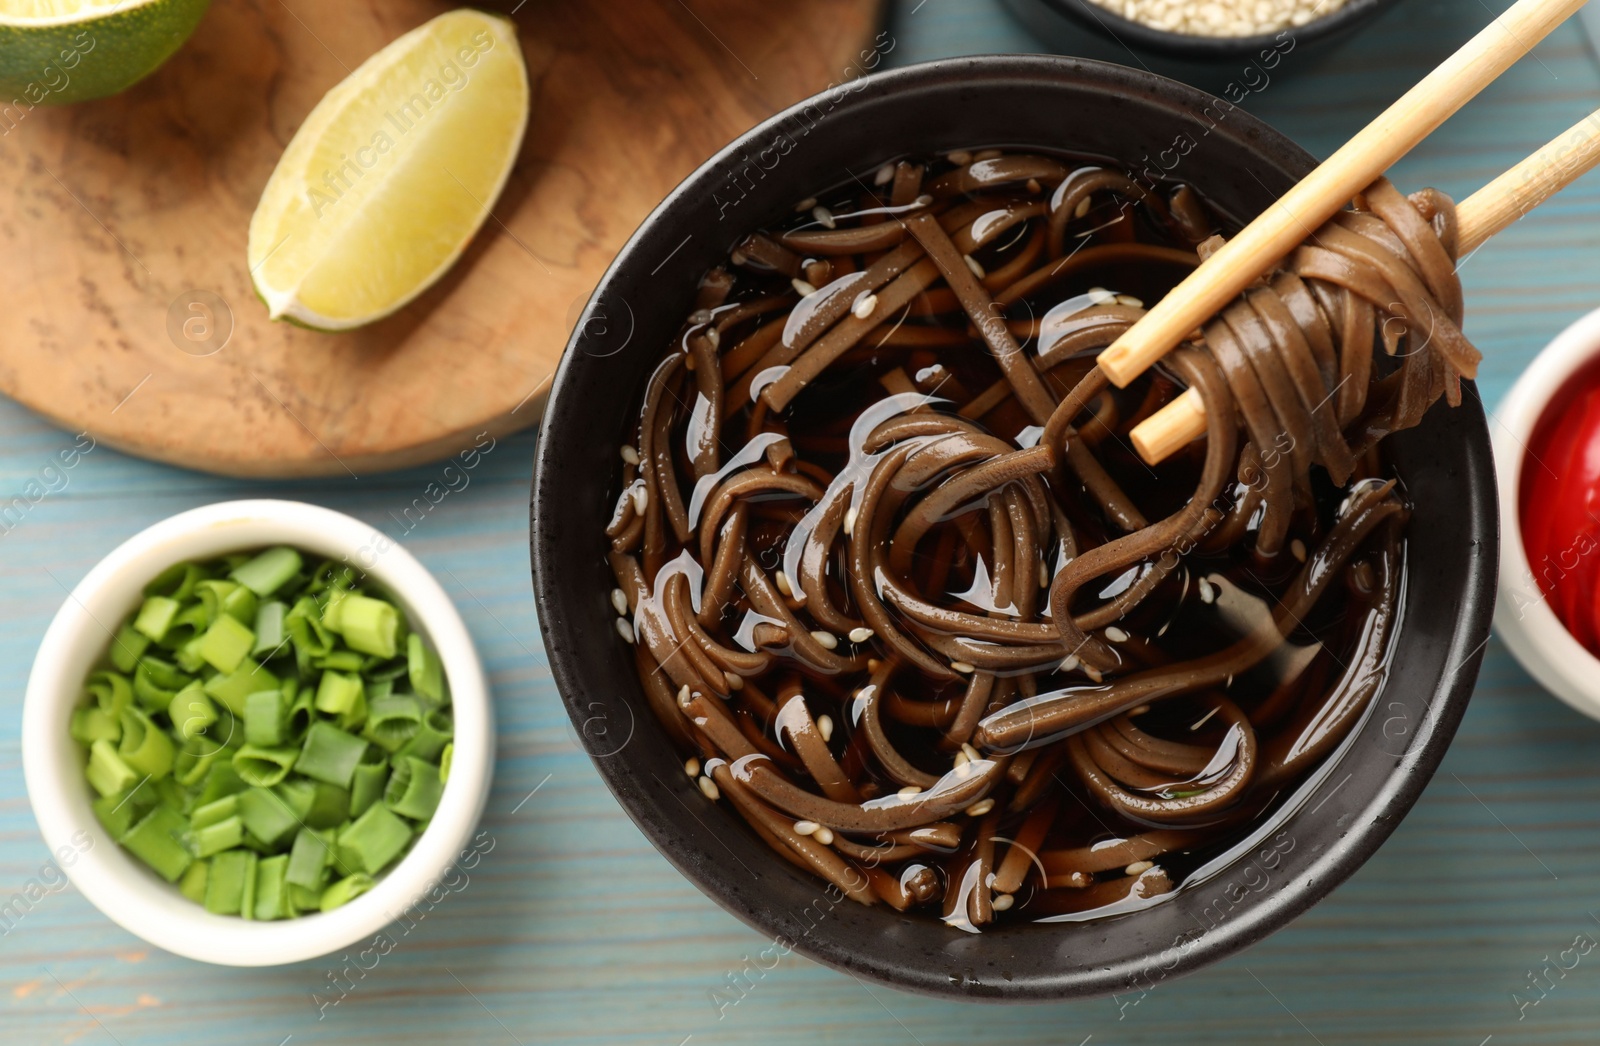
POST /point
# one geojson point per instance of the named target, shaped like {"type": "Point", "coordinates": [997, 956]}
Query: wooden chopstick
{"type": "Point", "coordinates": [1481, 215]}
{"type": "Point", "coordinates": [1265, 242]}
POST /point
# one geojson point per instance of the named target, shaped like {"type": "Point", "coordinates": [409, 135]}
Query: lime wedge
{"type": "Point", "coordinates": [391, 174]}
{"type": "Point", "coordinates": [57, 51]}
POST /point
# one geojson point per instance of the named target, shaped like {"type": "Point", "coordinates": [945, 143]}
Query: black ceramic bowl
{"type": "Point", "coordinates": [1241, 165]}
{"type": "Point", "coordinates": [1188, 46]}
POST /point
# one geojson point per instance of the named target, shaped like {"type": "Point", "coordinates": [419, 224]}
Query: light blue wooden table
{"type": "Point", "coordinates": [573, 930]}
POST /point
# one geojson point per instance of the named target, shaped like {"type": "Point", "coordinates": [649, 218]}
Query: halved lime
{"type": "Point", "coordinates": [58, 51]}
{"type": "Point", "coordinates": [391, 174]}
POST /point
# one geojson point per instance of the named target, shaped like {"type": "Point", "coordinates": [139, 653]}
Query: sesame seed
{"type": "Point", "coordinates": [1298, 547]}
{"type": "Point", "coordinates": [691, 767]}
{"type": "Point", "coordinates": [624, 630]}
{"type": "Point", "coordinates": [823, 835]}
{"type": "Point", "coordinates": [972, 263]}
{"type": "Point", "coordinates": [825, 216]}
{"type": "Point", "coordinates": [964, 668]}
{"type": "Point", "coordinates": [1083, 207]}
{"type": "Point", "coordinates": [1207, 593]}
{"type": "Point", "coordinates": [864, 306]}
{"type": "Point", "coordinates": [805, 204]}
{"type": "Point", "coordinates": [1002, 902]}
{"type": "Point", "coordinates": [699, 316]}
{"type": "Point", "coordinates": [805, 827]}
{"type": "Point", "coordinates": [981, 807]}
{"type": "Point", "coordinates": [801, 287]}
{"type": "Point", "coordinates": [708, 788]}
{"type": "Point", "coordinates": [1044, 576]}
{"type": "Point", "coordinates": [619, 600]}
{"type": "Point", "coordinates": [684, 697]}
{"type": "Point", "coordinates": [825, 640]}
{"type": "Point", "coordinates": [1100, 296]}
{"type": "Point", "coordinates": [1115, 634]}
{"type": "Point", "coordinates": [735, 682]}
{"type": "Point", "coordinates": [738, 258]}
{"type": "Point", "coordinates": [960, 157]}
{"type": "Point", "coordinates": [641, 497]}
{"type": "Point", "coordinates": [1141, 710]}
{"type": "Point", "coordinates": [782, 581]}
{"type": "Point", "coordinates": [1139, 867]}
{"type": "Point", "coordinates": [850, 519]}
{"type": "Point", "coordinates": [972, 753]}
{"type": "Point", "coordinates": [962, 759]}
{"type": "Point", "coordinates": [860, 635]}
{"type": "Point", "coordinates": [1130, 301]}
{"type": "Point", "coordinates": [885, 175]}
{"type": "Point", "coordinates": [1033, 186]}
{"type": "Point", "coordinates": [923, 200]}
{"type": "Point", "coordinates": [1093, 673]}
{"type": "Point", "coordinates": [1068, 663]}
{"type": "Point", "coordinates": [825, 727]}
{"type": "Point", "coordinates": [714, 336]}
{"type": "Point", "coordinates": [908, 791]}
{"type": "Point", "coordinates": [630, 455]}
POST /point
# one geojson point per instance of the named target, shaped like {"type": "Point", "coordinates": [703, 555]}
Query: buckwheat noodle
{"type": "Point", "coordinates": [909, 603]}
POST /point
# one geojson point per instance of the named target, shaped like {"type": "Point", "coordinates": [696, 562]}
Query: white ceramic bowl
{"type": "Point", "coordinates": [1522, 617]}
{"type": "Point", "coordinates": [124, 888]}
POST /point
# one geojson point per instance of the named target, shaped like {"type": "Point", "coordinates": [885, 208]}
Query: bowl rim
{"type": "Point", "coordinates": [1370, 825]}
{"type": "Point", "coordinates": [1522, 617]}
{"type": "Point", "coordinates": [132, 895]}
{"type": "Point", "coordinates": [1128, 32]}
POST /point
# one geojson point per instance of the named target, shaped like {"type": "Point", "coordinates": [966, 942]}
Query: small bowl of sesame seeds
{"type": "Point", "coordinates": [1210, 30]}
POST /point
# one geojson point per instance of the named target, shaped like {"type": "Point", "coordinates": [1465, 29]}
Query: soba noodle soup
{"type": "Point", "coordinates": [901, 590]}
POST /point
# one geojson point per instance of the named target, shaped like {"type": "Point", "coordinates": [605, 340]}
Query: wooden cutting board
{"type": "Point", "coordinates": [123, 226]}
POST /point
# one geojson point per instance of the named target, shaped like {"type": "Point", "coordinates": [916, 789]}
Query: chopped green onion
{"type": "Point", "coordinates": [427, 671]}
{"type": "Point", "coordinates": [107, 772]}
{"type": "Point", "coordinates": [338, 692]}
{"type": "Point", "coordinates": [345, 890]}
{"type": "Point", "coordinates": [300, 715]}
{"type": "Point", "coordinates": [270, 632]}
{"type": "Point", "coordinates": [392, 720]}
{"type": "Point", "coordinates": [330, 754]}
{"type": "Point", "coordinates": [372, 840]}
{"type": "Point", "coordinates": [211, 813]}
{"type": "Point", "coordinates": [193, 761]}
{"type": "Point", "coordinates": [272, 893]}
{"type": "Point", "coordinates": [268, 571]}
{"type": "Point", "coordinates": [330, 806]}
{"type": "Point", "coordinates": [128, 646]}
{"type": "Point", "coordinates": [431, 737]}
{"type": "Point", "coordinates": [445, 759]}
{"type": "Point", "coordinates": [309, 859]}
{"type": "Point", "coordinates": [193, 885]}
{"type": "Point", "coordinates": [227, 643]}
{"type": "Point", "coordinates": [247, 898]}
{"type": "Point", "coordinates": [157, 682]}
{"type": "Point", "coordinates": [263, 718]}
{"type": "Point", "coordinates": [118, 812]}
{"type": "Point", "coordinates": [266, 816]}
{"type": "Point", "coordinates": [369, 625]}
{"type": "Point", "coordinates": [145, 747]}
{"type": "Point", "coordinates": [176, 582]}
{"type": "Point", "coordinates": [414, 788]}
{"type": "Point", "coordinates": [157, 840]}
{"type": "Point", "coordinates": [232, 688]}
{"type": "Point", "coordinates": [226, 879]}
{"type": "Point", "coordinates": [191, 711]}
{"type": "Point", "coordinates": [371, 777]}
{"type": "Point", "coordinates": [92, 723]}
{"type": "Point", "coordinates": [340, 661]}
{"type": "Point", "coordinates": [155, 617]}
{"type": "Point", "coordinates": [222, 780]}
{"type": "Point", "coordinates": [263, 767]}
{"type": "Point", "coordinates": [224, 835]}
{"type": "Point", "coordinates": [110, 691]}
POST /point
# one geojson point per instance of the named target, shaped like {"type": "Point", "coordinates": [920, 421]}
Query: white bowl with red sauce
{"type": "Point", "coordinates": [1548, 612]}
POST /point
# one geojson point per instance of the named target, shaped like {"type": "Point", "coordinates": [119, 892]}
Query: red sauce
{"type": "Point", "coordinates": [1559, 505]}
